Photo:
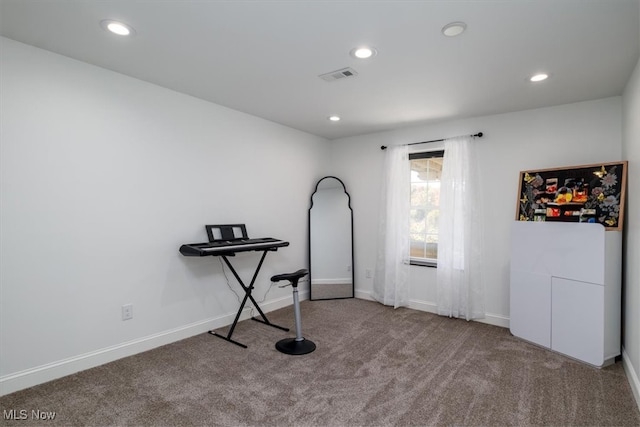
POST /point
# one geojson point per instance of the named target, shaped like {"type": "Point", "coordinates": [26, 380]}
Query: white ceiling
{"type": "Point", "coordinates": [263, 57]}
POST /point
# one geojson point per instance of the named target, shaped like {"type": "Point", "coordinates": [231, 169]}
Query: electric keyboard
{"type": "Point", "coordinates": [231, 246]}
{"type": "Point", "coordinates": [224, 241]}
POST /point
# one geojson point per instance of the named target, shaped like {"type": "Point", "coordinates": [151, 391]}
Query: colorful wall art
{"type": "Point", "coordinates": [588, 193]}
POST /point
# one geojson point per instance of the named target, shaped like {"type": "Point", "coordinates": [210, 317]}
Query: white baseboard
{"type": "Point", "coordinates": [364, 295]}
{"type": "Point", "coordinates": [343, 281]}
{"type": "Point", "coordinates": [51, 371]}
{"type": "Point", "coordinates": [495, 320]}
{"type": "Point", "coordinates": [431, 307]}
{"type": "Point", "coordinates": [632, 376]}
{"type": "Point", "coordinates": [490, 318]}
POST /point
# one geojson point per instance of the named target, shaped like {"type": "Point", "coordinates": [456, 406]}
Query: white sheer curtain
{"type": "Point", "coordinates": [391, 280]}
{"type": "Point", "coordinates": [460, 286]}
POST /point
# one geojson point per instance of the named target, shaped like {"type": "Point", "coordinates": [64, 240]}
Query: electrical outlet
{"type": "Point", "coordinates": [368, 274]}
{"type": "Point", "coordinates": [127, 311]}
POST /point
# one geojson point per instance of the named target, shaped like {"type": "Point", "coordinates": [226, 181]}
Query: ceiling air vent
{"type": "Point", "coordinates": [338, 74]}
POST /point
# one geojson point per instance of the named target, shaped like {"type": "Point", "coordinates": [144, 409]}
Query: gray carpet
{"type": "Point", "coordinates": [332, 290]}
{"type": "Point", "coordinates": [374, 366]}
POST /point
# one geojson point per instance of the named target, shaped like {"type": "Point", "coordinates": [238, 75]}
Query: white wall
{"type": "Point", "coordinates": [103, 178]}
{"type": "Point", "coordinates": [575, 134]}
{"type": "Point", "coordinates": [631, 273]}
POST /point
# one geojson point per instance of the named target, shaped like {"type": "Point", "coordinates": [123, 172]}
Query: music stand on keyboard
{"type": "Point", "coordinates": [225, 241]}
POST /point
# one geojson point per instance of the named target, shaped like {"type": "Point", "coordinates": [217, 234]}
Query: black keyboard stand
{"type": "Point", "coordinates": [247, 296]}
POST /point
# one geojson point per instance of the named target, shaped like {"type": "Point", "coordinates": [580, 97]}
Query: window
{"type": "Point", "coordinates": [426, 169]}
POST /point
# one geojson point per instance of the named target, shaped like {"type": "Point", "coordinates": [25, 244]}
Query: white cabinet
{"type": "Point", "coordinates": [566, 288]}
{"type": "Point", "coordinates": [577, 330]}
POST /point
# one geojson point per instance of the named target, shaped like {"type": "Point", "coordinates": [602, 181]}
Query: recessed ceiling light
{"type": "Point", "coordinates": [334, 118]}
{"type": "Point", "coordinates": [116, 27]}
{"type": "Point", "coordinates": [363, 52]}
{"type": "Point", "coordinates": [454, 29]}
{"type": "Point", "coordinates": [539, 77]}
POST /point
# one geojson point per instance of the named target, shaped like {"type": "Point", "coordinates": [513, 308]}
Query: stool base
{"type": "Point", "coordinates": [291, 346]}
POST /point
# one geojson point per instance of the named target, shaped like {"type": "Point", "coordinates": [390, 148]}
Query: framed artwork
{"type": "Point", "coordinates": [588, 193]}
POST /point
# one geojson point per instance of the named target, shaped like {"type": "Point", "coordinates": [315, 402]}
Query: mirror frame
{"type": "Point", "coordinates": [353, 283]}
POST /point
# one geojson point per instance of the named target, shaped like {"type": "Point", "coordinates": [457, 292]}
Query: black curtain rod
{"type": "Point", "coordinates": [384, 147]}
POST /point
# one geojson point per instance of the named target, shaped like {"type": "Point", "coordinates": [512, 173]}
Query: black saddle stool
{"type": "Point", "coordinates": [297, 345]}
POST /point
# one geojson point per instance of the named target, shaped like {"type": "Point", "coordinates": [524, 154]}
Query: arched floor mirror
{"type": "Point", "coordinates": [330, 241]}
